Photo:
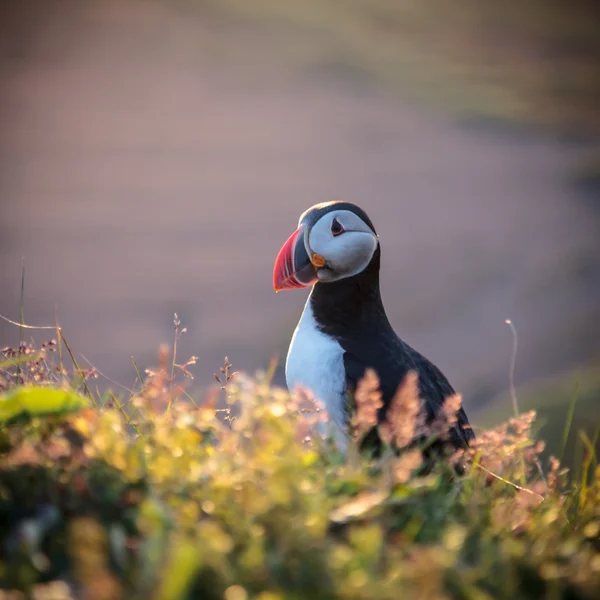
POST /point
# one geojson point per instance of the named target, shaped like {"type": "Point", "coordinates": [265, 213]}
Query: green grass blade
{"type": "Point", "coordinates": [15, 362]}
{"type": "Point", "coordinates": [21, 317]}
{"type": "Point", "coordinates": [569, 422]}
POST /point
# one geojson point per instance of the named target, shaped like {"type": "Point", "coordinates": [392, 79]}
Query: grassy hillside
{"type": "Point", "coordinates": [534, 62]}
{"type": "Point", "coordinates": [155, 494]}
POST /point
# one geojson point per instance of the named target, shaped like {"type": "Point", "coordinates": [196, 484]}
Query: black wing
{"type": "Point", "coordinates": [391, 362]}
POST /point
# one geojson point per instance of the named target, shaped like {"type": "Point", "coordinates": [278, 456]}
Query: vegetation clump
{"type": "Point", "coordinates": [240, 496]}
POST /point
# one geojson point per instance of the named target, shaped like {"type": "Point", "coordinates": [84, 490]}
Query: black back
{"type": "Point", "coordinates": [351, 311]}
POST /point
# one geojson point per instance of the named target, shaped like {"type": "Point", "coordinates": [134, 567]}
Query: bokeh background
{"type": "Point", "coordinates": [154, 156]}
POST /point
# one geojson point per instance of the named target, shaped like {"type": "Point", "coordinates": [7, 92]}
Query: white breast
{"type": "Point", "coordinates": [315, 361]}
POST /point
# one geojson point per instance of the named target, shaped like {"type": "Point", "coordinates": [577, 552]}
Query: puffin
{"type": "Point", "coordinates": [344, 329]}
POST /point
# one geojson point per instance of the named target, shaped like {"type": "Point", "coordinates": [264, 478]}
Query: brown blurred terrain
{"type": "Point", "coordinates": [155, 155]}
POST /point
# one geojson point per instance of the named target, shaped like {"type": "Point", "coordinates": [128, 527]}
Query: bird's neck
{"type": "Point", "coordinates": [351, 302]}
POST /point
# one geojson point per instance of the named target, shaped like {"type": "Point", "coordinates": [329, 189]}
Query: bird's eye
{"type": "Point", "coordinates": [336, 228]}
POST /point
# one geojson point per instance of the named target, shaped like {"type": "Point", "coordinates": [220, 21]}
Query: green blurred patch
{"type": "Point", "coordinates": [36, 401]}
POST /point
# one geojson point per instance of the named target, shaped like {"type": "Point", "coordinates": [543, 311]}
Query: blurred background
{"type": "Point", "coordinates": [155, 154]}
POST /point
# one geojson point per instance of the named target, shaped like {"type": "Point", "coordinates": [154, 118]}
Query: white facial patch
{"type": "Point", "coordinates": [346, 254]}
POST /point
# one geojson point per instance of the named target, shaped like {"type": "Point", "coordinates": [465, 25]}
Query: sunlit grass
{"type": "Point", "coordinates": [566, 403]}
{"type": "Point", "coordinates": [238, 495]}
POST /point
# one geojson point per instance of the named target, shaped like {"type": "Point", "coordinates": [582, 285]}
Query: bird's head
{"type": "Point", "coordinates": [334, 240]}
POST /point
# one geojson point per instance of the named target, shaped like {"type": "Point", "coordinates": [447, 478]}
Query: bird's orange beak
{"type": "Point", "coordinates": [294, 268]}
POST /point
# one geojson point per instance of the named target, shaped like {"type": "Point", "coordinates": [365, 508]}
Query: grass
{"type": "Point", "coordinates": [566, 403]}
{"type": "Point", "coordinates": [237, 496]}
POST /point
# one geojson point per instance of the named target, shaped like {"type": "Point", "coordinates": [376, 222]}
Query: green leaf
{"type": "Point", "coordinates": [182, 566]}
{"type": "Point", "coordinates": [38, 401]}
